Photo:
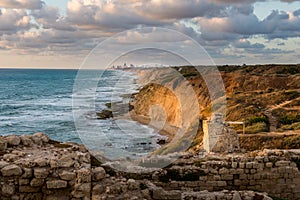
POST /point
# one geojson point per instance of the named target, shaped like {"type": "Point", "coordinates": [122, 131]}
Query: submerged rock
{"type": "Point", "coordinates": [105, 114]}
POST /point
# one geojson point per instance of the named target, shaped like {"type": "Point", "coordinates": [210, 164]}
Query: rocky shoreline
{"type": "Point", "coordinates": [35, 167]}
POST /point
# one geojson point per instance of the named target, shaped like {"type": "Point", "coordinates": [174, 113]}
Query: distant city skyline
{"type": "Point", "coordinates": [61, 33]}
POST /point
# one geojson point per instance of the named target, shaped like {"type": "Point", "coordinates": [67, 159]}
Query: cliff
{"type": "Point", "coordinates": [265, 98]}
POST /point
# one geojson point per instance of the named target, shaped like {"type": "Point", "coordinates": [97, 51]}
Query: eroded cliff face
{"type": "Point", "coordinates": [167, 100]}
{"type": "Point", "coordinates": [250, 90]}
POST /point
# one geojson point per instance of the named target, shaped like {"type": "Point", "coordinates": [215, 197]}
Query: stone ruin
{"type": "Point", "coordinates": [219, 136]}
{"type": "Point", "coordinates": [35, 167]}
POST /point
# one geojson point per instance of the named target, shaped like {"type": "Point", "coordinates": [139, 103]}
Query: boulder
{"type": "Point", "coordinates": [3, 144]}
{"type": "Point", "coordinates": [13, 140]}
{"type": "Point", "coordinates": [98, 174]}
{"type": "Point", "coordinates": [26, 140]}
{"type": "Point", "coordinates": [43, 137]}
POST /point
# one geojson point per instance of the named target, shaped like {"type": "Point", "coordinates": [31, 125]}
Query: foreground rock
{"type": "Point", "coordinates": [38, 168]}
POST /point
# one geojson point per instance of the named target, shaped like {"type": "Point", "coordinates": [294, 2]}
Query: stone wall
{"type": "Point", "coordinates": [273, 171]}
{"type": "Point", "coordinates": [34, 167]}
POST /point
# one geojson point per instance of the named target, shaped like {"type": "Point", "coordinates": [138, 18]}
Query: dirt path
{"type": "Point", "coordinates": [272, 119]}
{"type": "Point", "coordinates": [283, 104]}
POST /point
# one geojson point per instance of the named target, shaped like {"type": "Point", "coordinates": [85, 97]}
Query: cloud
{"type": "Point", "coordinates": [107, 15]}
{"type": "Point", "coordinates": [245, 44]}
{"type": "Point", "coordinates": [14, 20]}
{"type": "Point", "coordinates": [49, 17]}
{"type": "Point", "coordinates": [22, 4]}
{"type": "Point", "coordinates": [215, 24]}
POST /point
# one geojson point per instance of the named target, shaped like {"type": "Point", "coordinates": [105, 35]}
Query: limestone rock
{"type": "Point", "coordinates": [3, 144]}
{"type": "Point", "coordinates": [10, 157]}
{"type": "Point", "coordinates": [66, 161]}
{"type": "Point", "coordinates": [26, 140]}
{"type": "Point", "coordinates": [132, 184]}
{"type": "Point", "coordinates": [23, 181]}
{"type": "Point", "coordinates": [56, 184]}
{"type": "Point", "coordinates": [98, 174]}
{"type": "Point", "coordinates": [236, 196]}
{"type": "Point", "coordinates": [68, 176]}
{"type": "Point", "coordinates": [98, 189]}
{"type": "Point", "coordinates": [43, 137]}
{"type": "Point", "coordinates": [11, 170]}
{"type": "Point", "coordinates": [28, 189]}
{"type": "Point", "coordinates": [41, 162]}
{"type": "Point", "coordinates": [3, 164]}
{"type": "Point", "coordinates": [27, 173]}
{"type": "Point", "coordinates": [37, 182]}
{"type": "Point", "coordinates": [13, 140]}
{"type": "Point", "coordinates": [159, 193]}
{"type": "Point", "coordinates": [84, 175]}
{"type": "Point", "coordinates": [8, 190]}
{"type": "Point", "coordinates": [41, 172]}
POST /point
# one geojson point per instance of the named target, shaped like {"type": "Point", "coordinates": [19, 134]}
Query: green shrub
{"type": "Point", "coordinates": [108, 105]}
{"type": "Point", "coordinates": [289, 70]}
{"type": "Point", "coordinates": [289, 119]}
{"type": "Point", "coordinates": [257, 128]}
{"type": "Point", "coordinates": [294, 126]}
{"type": "Point", "coordinates": [255, 120]}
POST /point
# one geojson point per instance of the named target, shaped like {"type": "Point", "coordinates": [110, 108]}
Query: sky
{"type": "Point", "coordinates": [62, 33]}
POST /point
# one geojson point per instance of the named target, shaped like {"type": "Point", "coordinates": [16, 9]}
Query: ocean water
{"type": "Point", "coordinates": [33, 100]}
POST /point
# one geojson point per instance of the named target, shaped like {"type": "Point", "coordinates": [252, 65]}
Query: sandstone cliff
{"type": "Point", "coordinates": [176, 99]}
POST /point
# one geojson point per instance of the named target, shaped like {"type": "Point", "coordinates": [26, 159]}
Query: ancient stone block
{"type": "Point", "coordinates": [3, 164]}
{"type": "Point", "coordinates": [11, 170]}
{"type": "Point", "coordinates": [56, 184]}
{"type": "Point", "coordinates": [40, 172]}
{"type": "Point", "coordinates": [27, 173]}
{"type": "Point", "coordinates": [23, 181]}
{"type": "Point", "coordinates": [41, 162]}
{"type": "Point", "coordinates": [66, 175]}
{"type": "Point", "coordinates": [28, 189]}
{"type": "Point", "coordinates": [83, 176]}
{"type": "Point", "coordinates": [98, 173]}
{"type": "Point", "coordinates": [8, 190]}
{"type": "Point", "coordinates": [36, 182]}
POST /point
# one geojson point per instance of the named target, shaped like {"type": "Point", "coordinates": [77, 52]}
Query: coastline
{"type": "Point", "coordinates": [167, 130]}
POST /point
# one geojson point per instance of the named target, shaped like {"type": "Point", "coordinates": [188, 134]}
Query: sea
{"type": "Point", "coordinates": [41, 100]}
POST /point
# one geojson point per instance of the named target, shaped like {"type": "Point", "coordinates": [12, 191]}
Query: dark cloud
{"type": "Point", "coordinates": [245, 44]}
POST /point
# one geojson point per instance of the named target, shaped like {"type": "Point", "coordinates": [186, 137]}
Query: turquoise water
{"type": "Point", "coordinates": [34, 100]}
{"type": "Point", "coordinates": [37, 101]}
